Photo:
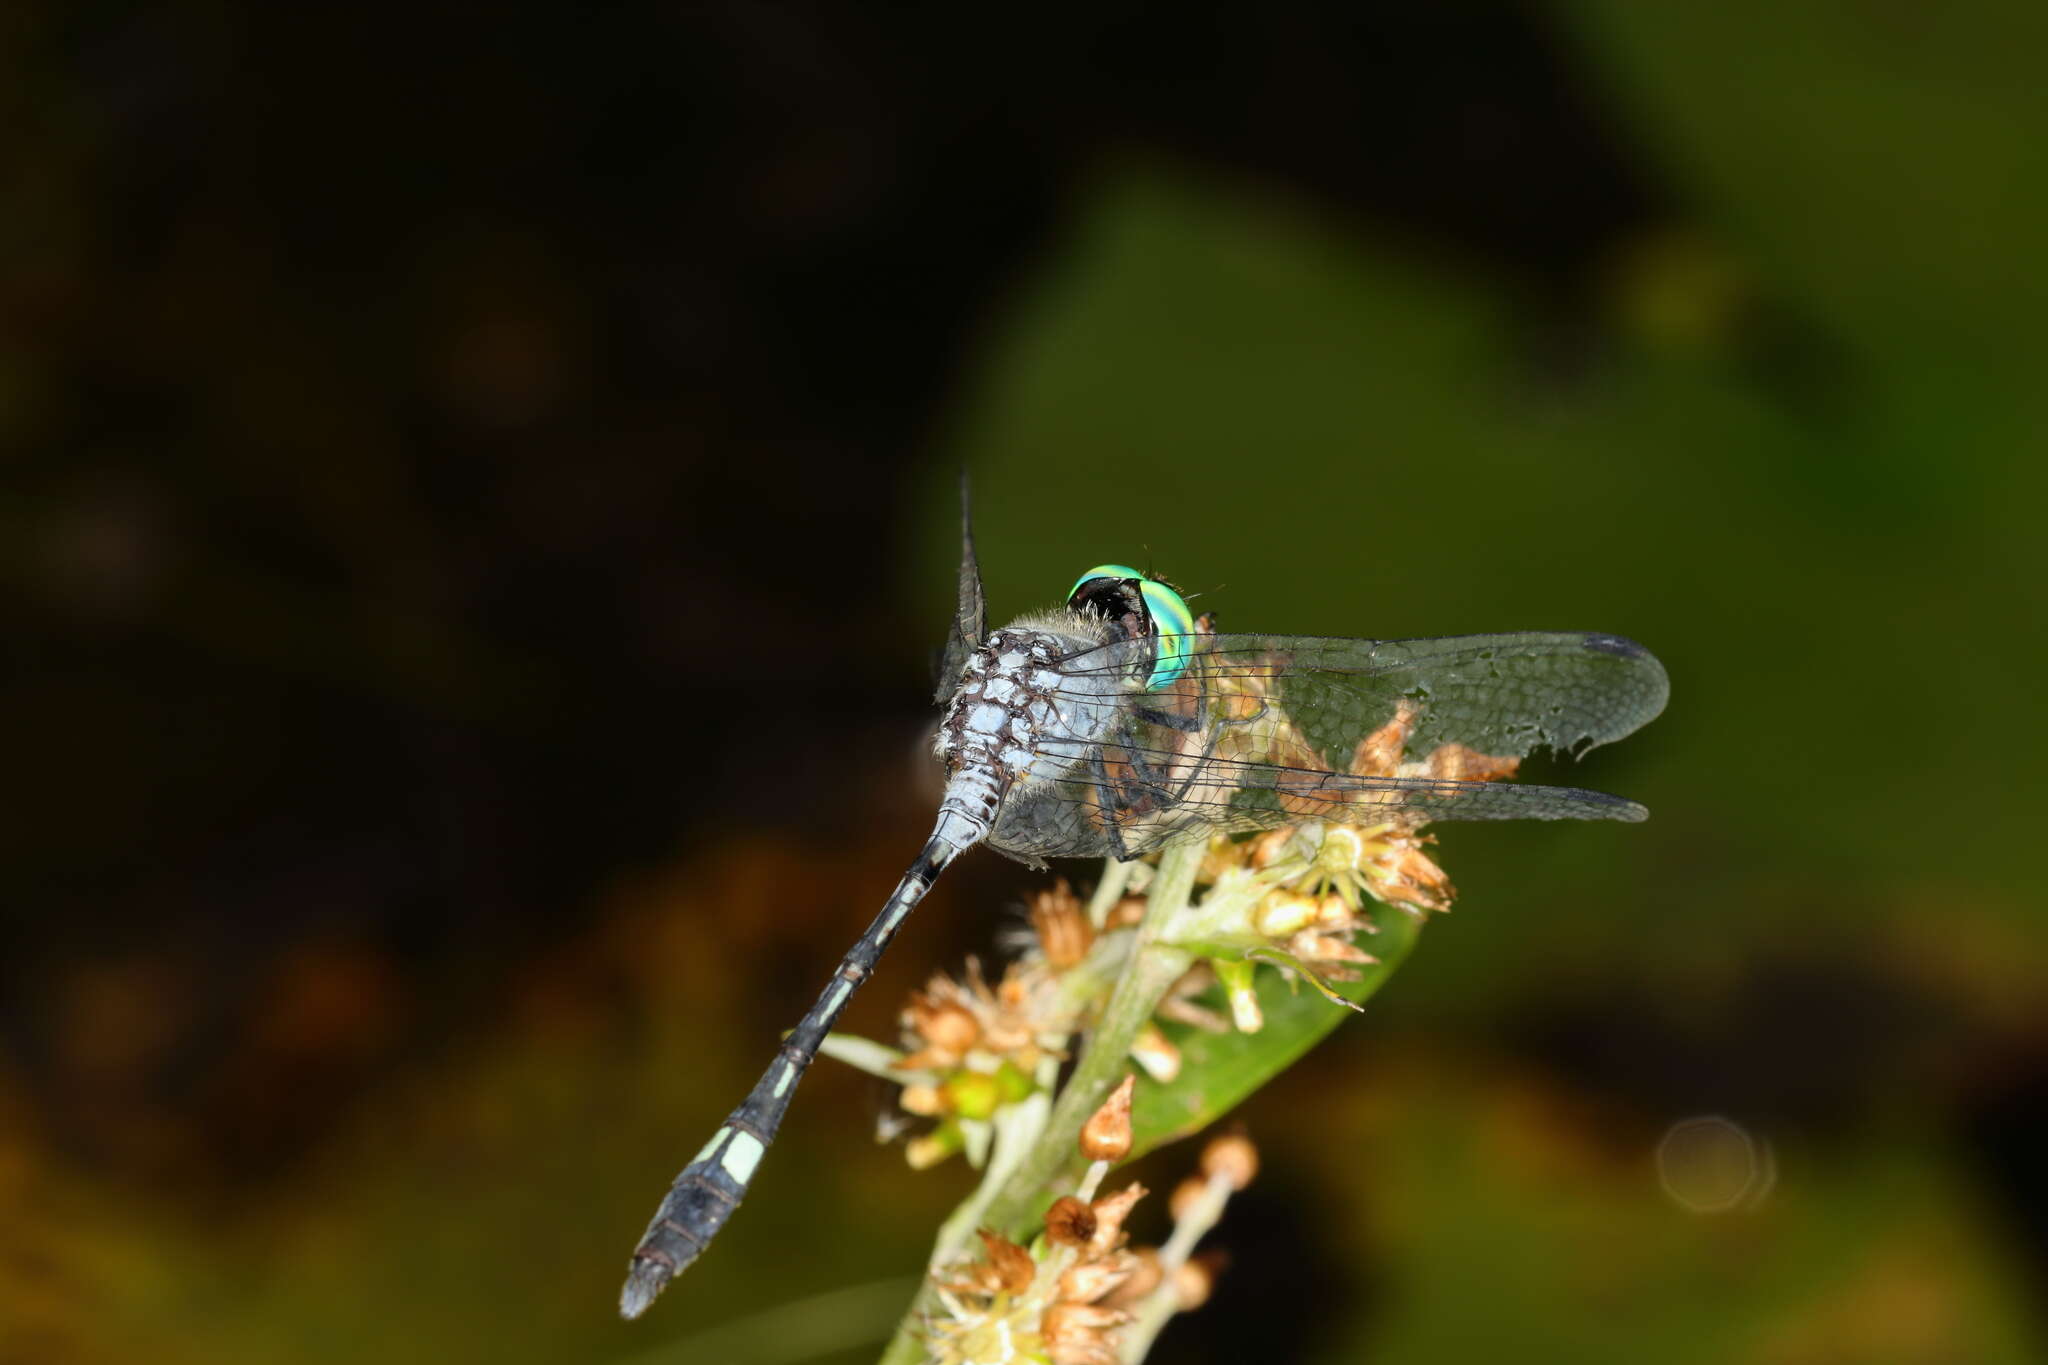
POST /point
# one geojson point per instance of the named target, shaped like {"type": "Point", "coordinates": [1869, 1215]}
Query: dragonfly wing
{"type": "Point", "coordinates": [1505, 695]}
{"type": "Point", "coordinates": [1118, 808]}
{"type": "Point", "coordinates": [1266, 730]}
{"type": "Point", "coordinates": [970, 619]}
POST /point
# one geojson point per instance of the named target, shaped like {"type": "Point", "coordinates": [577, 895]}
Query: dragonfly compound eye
{"type": "Point", "coordinates": [1140, 605]}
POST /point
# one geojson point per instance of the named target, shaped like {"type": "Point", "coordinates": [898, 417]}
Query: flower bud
{"type": "Point", "coordinates": [1107, 1134]}
{"type": "Point", "coordinates": [1013, 1082]}
{"type": "Point", "coordinates": [1233, 1157]}
{"type": "Point", "coordinates": [1343, 849]}
{"type": "Point", "coordinates": [927, 1151]}
{"type": "Point", "coordinates": [1281, 913]}
{"type": "Point", "coordinates": [972, 1094]}
{"type": "Point", "coordinates": [1244, 1000]}
{"type": "Point", "coordinates": [925, 1101]}
{"type": "Point", "coordinates": [1335, 914]}
{"type": "Point", "coordinates": [1193, 1282]}
{"type": "Point", "coordinates": [1152, 1050]}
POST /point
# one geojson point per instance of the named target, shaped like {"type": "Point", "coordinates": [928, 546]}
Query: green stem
{"type": "Point", "coordinates": [1015, 1125]}
{"type": "Point", "coordinates": [1055, 1157]}
{"type": "Point", "coordinates": [1115, 877]}
{"type": "Point", "coordinates": [1152, 969]}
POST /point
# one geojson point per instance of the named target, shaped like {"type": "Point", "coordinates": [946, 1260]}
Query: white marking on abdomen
{"type": "Point", "coordinates": [742, 1157]}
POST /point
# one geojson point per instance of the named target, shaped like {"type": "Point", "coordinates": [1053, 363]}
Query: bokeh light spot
{"type": "Point", "coordinates": [1710, 1164]}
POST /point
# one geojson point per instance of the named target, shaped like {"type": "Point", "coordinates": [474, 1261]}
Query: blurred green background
{"type": "Point", "coordinates": [478, 505]}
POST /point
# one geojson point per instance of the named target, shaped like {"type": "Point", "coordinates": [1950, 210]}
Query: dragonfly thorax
{"type": "Point", "coordinates": [1012, 699]}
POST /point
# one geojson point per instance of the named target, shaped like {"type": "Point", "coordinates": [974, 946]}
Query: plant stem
{"type": "Point", "coordinates": [1108, 891]}
{"type": "Point", "coordinates": [1162, 1303]}
{"type": "Point", "coordinates": [1016, 1125]}
{"type": "Point", "coordinates": [1152, 969]}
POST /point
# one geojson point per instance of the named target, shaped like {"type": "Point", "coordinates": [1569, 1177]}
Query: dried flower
{"type": "Point", "coordinates": [1069, 1222]}
{"type": "Point", "coordinates": [1110, 1212]}
{"type": "Point", "coordinates": [1077, 1333]}
{"type": "Point", "coordinates": [1061, 1307]}
{"type": "Point", "coordinates": [1009, 1266]}
{"type": "Point", "coordinates": [1061, 925]}
{"type": "Point", "coordinates": [1143, 1277]}
{"type": "Point", "coordinates": [1088, 1281]}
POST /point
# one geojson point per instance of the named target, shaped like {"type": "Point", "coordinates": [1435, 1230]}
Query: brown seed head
{"type": "Point", "coordinates": [1107, 1134]}
{"type": "Point", "coordinates": [1233, 1157]}
{"type": "Point", "coordinates": [1069, 1222]}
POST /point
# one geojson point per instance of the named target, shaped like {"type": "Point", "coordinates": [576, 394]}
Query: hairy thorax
{"type": "Point", "coordinates": [1016, 716]}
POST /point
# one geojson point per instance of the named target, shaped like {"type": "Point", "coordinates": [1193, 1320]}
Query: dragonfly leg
{"type": "Point", "coordinates": [1208, 750]}
{"type": "Point", "coordinates": [1151, 780]}
{"type": "Point", "coordinates": [1109, 799]}
{"type": "Point", "coordinates": [1187, 725]}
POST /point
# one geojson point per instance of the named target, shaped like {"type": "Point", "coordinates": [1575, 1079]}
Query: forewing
{"type": "Point", "coordinates": [1502, 695]}
{"type": "Point", "coordinates": [1270, 730]}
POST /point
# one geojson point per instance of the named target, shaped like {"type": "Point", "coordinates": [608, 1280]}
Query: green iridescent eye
{"type": "Point", "coordinates": [1166, 615]}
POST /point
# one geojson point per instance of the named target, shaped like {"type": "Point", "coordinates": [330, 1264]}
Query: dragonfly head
{"type": "Point", "coordinates": [1139, 606]}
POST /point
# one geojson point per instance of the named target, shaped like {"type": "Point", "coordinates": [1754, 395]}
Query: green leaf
{"type": "Point", "coordinates": [1219, 1070]}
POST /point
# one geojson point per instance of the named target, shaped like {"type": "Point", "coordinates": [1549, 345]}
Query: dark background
{"type": "Point", "coordinates": [476, 511]}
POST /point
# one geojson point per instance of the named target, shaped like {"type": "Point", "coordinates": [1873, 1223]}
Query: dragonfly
{"type": "Point", "coordinates": [1120, 723]}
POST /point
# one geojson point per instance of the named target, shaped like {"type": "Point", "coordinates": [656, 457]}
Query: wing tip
{"type": "Point", "coordinates": [1620, 645]}
{"type": "Point", "coordinates": [1653, 680]}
